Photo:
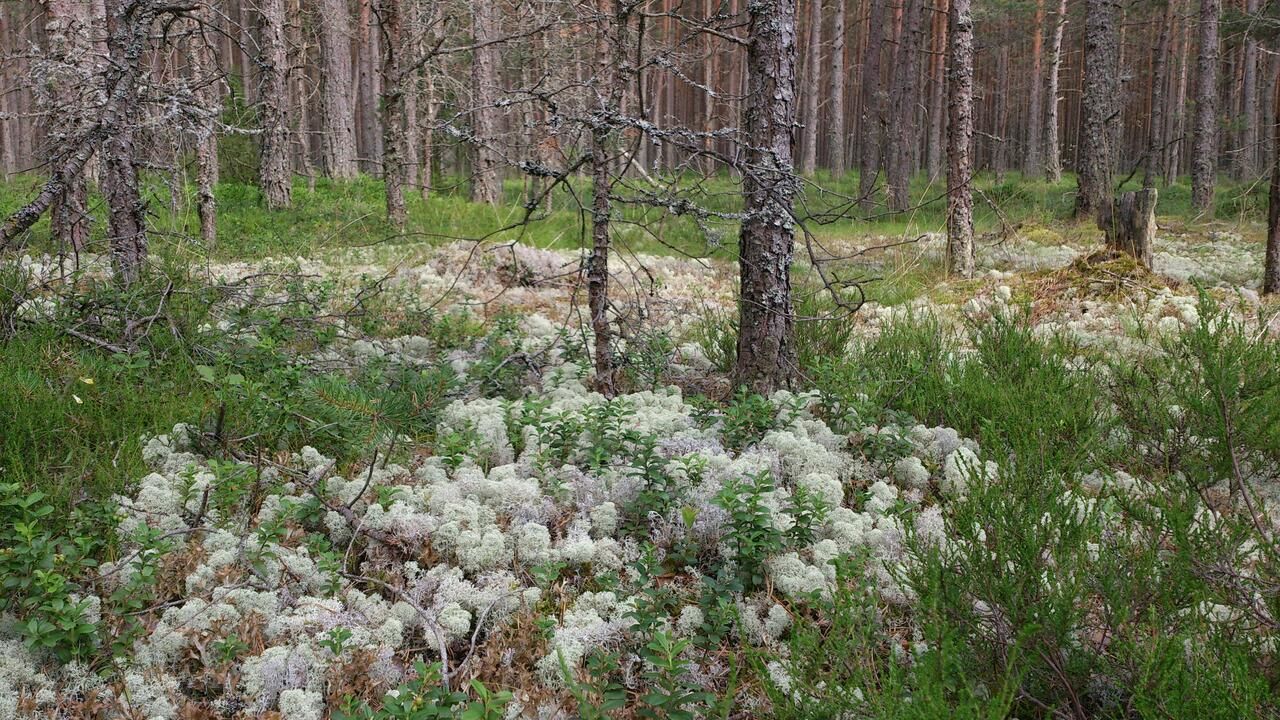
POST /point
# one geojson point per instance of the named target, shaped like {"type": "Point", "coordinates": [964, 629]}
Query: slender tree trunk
{"type": "Point", "coordinates": [1052, 150]}
{"type": "Point", "coordinates": [872, 123]}
{"type": "Point", "coordinates": [766, 352]}
{"type": "Point", "coordinates": [835, 93]}
{"type": "Point", "coordinates": [367, 81]}
{"type": "Point", "coordinates": [812, 79]}
{"type": "Point", "coordinates": [1271, 270]}
{"type": "Point", "coordinates": [429, 110]}
{"type": "Point", "coordinates": [938, 64]}
{"type": "Point", "coordinates": [338, 147]}
{"type": "Point", "coordinates": [961, 254]}
{"type": "Point", "coordinates": [1098, 108]}
{"type": "Point", "coordinates": [1204, 150]}
{"type": "Point", "coordinates": [1179, 133]}
{"type": "Point", "coordinates": [273, 68]}
{"type": "Point", "coordinates": [128, 28]}
{"type": "Point", "coordinates": [301, 131]}
{"type": "Point", "coordinates": [393, 110]}
{"type": "Point", "coordinates": [486, 185]}
{"type": "Point", "coordinates": [1247, 158]}
{"type": "Point", "coordinates": [65, 97]}
{"type": "Point", "coordinates": [1035, 111]}
{"type": "Point", "coordinates": [902, 136]}
{"type": "Point", "coordinates": [1156, 131]}
{"type": "Point", "coordinates": [204, 68]}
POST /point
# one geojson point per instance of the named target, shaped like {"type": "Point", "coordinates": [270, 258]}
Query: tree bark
{"type": "Point", "coordinates": [835, 94]}
{"type": "Point", "coordinates": [273, 68]}
{"type": "Point", "coordinates": [812, 79]}
{"type": "Point", "coordinates": [1098, 109]}
{"type": "Point", "coordinates": [65, 98]}
{"type": "Point", "coordinates": [961, 254]}
{"type": "Point", "coordinates": [486, 184]}
{"type": "Point", "coordinates": [1156, 131]}
{"type": "Point", "coordinates": [1052, 150]}
{"type": "Point", "coordinates": [1271, 269]}
{"type": "Point", "coordinates": [872, 121]}
{"type": "Point", "coordinates": [394, 120]}
{"type": "Point", "coordinates": [937, 108]}
{"type": "Point", "coordinates": [128, 28]}
{"type": "Point", "coordinates": [1247, 158]}
{"type": "Point", "coordinates": [1179, 105]}
{"type": "Point", "coordinates": [898, 165]}
{"type": "Point", "coordinates": [204, 68]}
{"type": "Point", "coordinates": [1035, 108]}
{"type": "Point", "coordinates": [1131, 228]}
{"type": "Point", "coordinates": [1204, 147]}
{"type": "Point", "coordinates": [766, 353]}
{"type": "Point", "coordinates": [338, 146]}
{"type": "Point", "coordinates": [369, 90]}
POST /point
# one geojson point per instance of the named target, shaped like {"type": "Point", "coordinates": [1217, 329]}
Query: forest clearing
{"type": "Point", "coordinates": [639, 359]}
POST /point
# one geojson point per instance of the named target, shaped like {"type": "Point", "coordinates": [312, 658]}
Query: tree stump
{"type": "Point", "coordinates": [1132, 226]}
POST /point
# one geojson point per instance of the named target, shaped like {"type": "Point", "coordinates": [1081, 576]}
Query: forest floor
{"type": "Point", "coordinates": [1052, 490]}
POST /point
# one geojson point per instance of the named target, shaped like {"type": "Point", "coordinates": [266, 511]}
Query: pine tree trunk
{"type": "Point", "coordinates": [1247, 158]}
{"type": "Point", "coordinates": [1052, 149]}
{"type": "Point", "coordinates": [938, 64]}
{"type": "Point", "coordinates": [1178, 122]}
{"type": "Point", "coordinates": [766, 353]}
{"type": "Point", "coordinates": [1098, 110]}
{"type": "Point", "coordinates": [898, 165]}
{"type": "Point", "coordinates": [204, 69]}
{"type": "Point", "coordinates": [273, 68]}
{"type": "Point", "coordinates": [301, 132]}
{"type": "Point", "coordinates": [835, 94]}
{"type": "Point", "coordinates": [1156, 130]}
{"type": "Point", "coordinates": [960, 247]}
{"type": "Point", "coordinates": [393, 110]}
{"type": "Point", "coordinates": [1035, 108]}
{"type": "Point", "coordinates": [1271, 269]}
{"type": "Point", "coordinates": [369, 90]}
{"type": "Point", "coordinates": [486, 185]}
{"type": "Point", "coordinates": [812, 79]}
{"type": "Point", "coordinates": [128, 28]}
{"type": "Point", "coordinates": [1204, 144]}
{"type": "Point", "coordinates": [338, 146]}
{"type": "Point", "coordinates": [69, 48]}
{"type": "Point", "coordinates": [872, 122]}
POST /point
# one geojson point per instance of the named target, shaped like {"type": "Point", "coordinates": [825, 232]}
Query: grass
{"type": "Point", "coordinates": [350, 214]}
{"type": "Point", "coordinates": [73, 414]}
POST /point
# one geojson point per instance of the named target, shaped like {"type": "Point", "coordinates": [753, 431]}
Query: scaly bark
{"type": "Point", "coordinates": [1052, 148]}
{"type": "Point", "coordinates": [1098, 110]}
{"type": "Point", "coordinates": [1246, 158]}
{"type": "Point", "coordinates": [65, 99]}
{"type": "Point", "coordinates": [338, 143]}
{"type": "Point", "coordinates": [204, 68]}
{"type": "Point", "coordinates": [1204, 143]}
{"type": "Point", "coordinates": [273, 67]}
{"type": "Point", "coordinates": [960, 248]}
{"type": "Point", "coordinates": [1159, 79]}
{"type": "Point", "coordinates": [812, 78]}
{"type": "Point", "coordinates": [1271, 270]}
{"type": "Point", "coordinates": [902, 137]}
{"type": "Point", "coordinates": [766, 352]}
{"type": "Point", "coordinates": [937, 108]}
{"type": "Point", "coordinates": [835, 94]}
{"type": "Point", "coordinates": [1035, 108]}
{"type": "Point", "coordinates": [394, 120]}
{"type": "Point", "coordinates": [872, 121]}
{"type": "Point", "coordinates": [486, 184]}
